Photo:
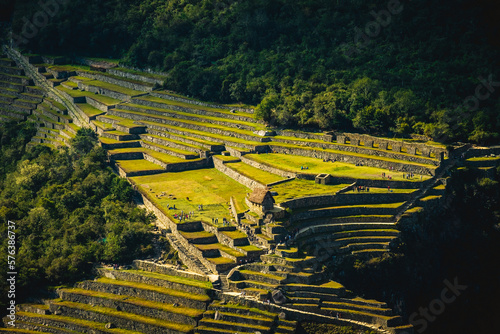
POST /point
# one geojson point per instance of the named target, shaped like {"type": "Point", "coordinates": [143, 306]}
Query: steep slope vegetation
{"type": "Point", "coordinates": [379, 66]}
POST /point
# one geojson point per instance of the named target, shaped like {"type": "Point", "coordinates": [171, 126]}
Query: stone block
{"type": "Point", "coordinates": [411, 150]}
{"type": "Point", "coordinates": [396, 147]}
{"type": "Point", "coordinates": [341, 139]}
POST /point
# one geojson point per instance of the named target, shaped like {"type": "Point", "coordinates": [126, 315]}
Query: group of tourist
{"type": "Point", "coordinates": [303, 167]}
{"type": "Point", "coordinates": [388, 176]}
{"type": "Point", "coordinates": [183, 216]}
{"type": "Point", "coordinates": [361, 188]}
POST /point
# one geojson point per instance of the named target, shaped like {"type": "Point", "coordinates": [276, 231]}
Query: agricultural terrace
{"type": "Point", "coordinates": [293, 163]}
{"type": "Point", "coordinates": [302, 188]}
{"type": "Point", "coordinates": [186, 190]}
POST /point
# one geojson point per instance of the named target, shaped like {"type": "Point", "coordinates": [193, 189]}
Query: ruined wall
{"type": "Point", "coordinates": [396, 145]}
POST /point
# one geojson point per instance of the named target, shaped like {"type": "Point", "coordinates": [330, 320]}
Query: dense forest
{"type": "Point", "coordinates": [384, 67]}
{"type": "Point", "coordinates": [458, 242]}
{"type": "Point", "coordinates": [70, 211]}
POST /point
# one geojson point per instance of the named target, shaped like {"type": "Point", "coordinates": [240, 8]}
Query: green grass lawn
{"type": "Point", "coordinates": [163, 157]}
{"type": "Point", "coordinates": [255, 174]}
{"type": "Point", "coordinates": [226, 158]}
{"type": "Point", "coordinates": [137, 165]}
{"type": "Point", "coordinates": [79, 78]}
{"type": "Point", "coordinates": [189, 189]}
{"type": "Point", "coordinates": [196, 235]}
{"type": "Point", "coordinates": [235, 234]}
{"type": "Point", "coordinates": [483, 159]}
{"type": "Point", "coordinates": [301, 188]}
{"type": "Point", "coordinates": [102, 125]}
{"type": "Point", "coordinates": [219, 260]}
{"type": "Point", "coordinates": [249, 248]}
{"type": "Point", "coordinates": [89, 110]}
{"type": "Point", "coordinates": [293, 163]}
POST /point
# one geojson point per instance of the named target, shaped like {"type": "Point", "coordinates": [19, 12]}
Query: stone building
{"type": "Point", "coordinates": [261, 200]}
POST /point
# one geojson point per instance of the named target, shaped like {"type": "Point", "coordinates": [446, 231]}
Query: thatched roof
{"type": "Point", "coordinates": [259, 194]}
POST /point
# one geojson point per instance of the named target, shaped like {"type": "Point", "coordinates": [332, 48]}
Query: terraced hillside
{"type": "Point", "coordinates": [197, 167]}
{"type": "Point", "coordinates": [136, 300]}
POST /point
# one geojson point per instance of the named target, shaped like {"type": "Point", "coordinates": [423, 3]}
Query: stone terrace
{"type": "Point", "coordinates": [178, 153]}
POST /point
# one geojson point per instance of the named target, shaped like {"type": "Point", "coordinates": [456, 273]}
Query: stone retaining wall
{"type": "Point", "coordinates": [398, 166]}
{"type": "Point", "coordinates": [200, 103]}
{"type": "Point", "coordinates": [104, 91]}
{"type": "Point", "coordinates": [173, 153]}
{"type": "Point", "coordinates": [259, 148]}
{"type": "Point", "coordinates": [141, 293]}
{"type": "Point", "coordinates": [242, 179]}
{"type": "Point", "coordinates": [397, 145]}
{"type": "Point", "coordinates": [132, 277]}
{"type": "Point", "coordinates": [114, 81]}
{"type": "Point", "coordinates": [346, 199]}
{"type": "Point", "coordinates": [127, 307]}
{"type": "Point", "coordinates": [380, 183]}
{"type": "Point", "coordinates": [167, 270]}
{"type": "Point", "coordinates": [30, 323]}
{"type": "Point", "coordinates": [98, 105]}
{"type": "Point", "coordinates": [127, 75]}
{"type": "Point", "coordinates": [301, 135]}
{"type": "Point", "coordinates": [186, 125]}
{"type": "Point", "coordinates": [166, 142]}
{"type": "Point", "coordinates": [482, 152]}
{"type": "Point", "coordinates": [195, 111]}
{"type": "Point", "coordinates": [171, 135]}
{"type": "Point", "coordinates": [362, 150]}
{"type": "Point", "coordinates": [42, 82]}
{"type": "Point", "coordinates": [236, 216]}
{"type": "Point", "coordinates": [119, 321]}
{"type": "Point", "coordinates": [340, 212]}
{"type": "Point", "coordinates": [267, 168]}
{"type": "Point", "coordinates": [298, 315]}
